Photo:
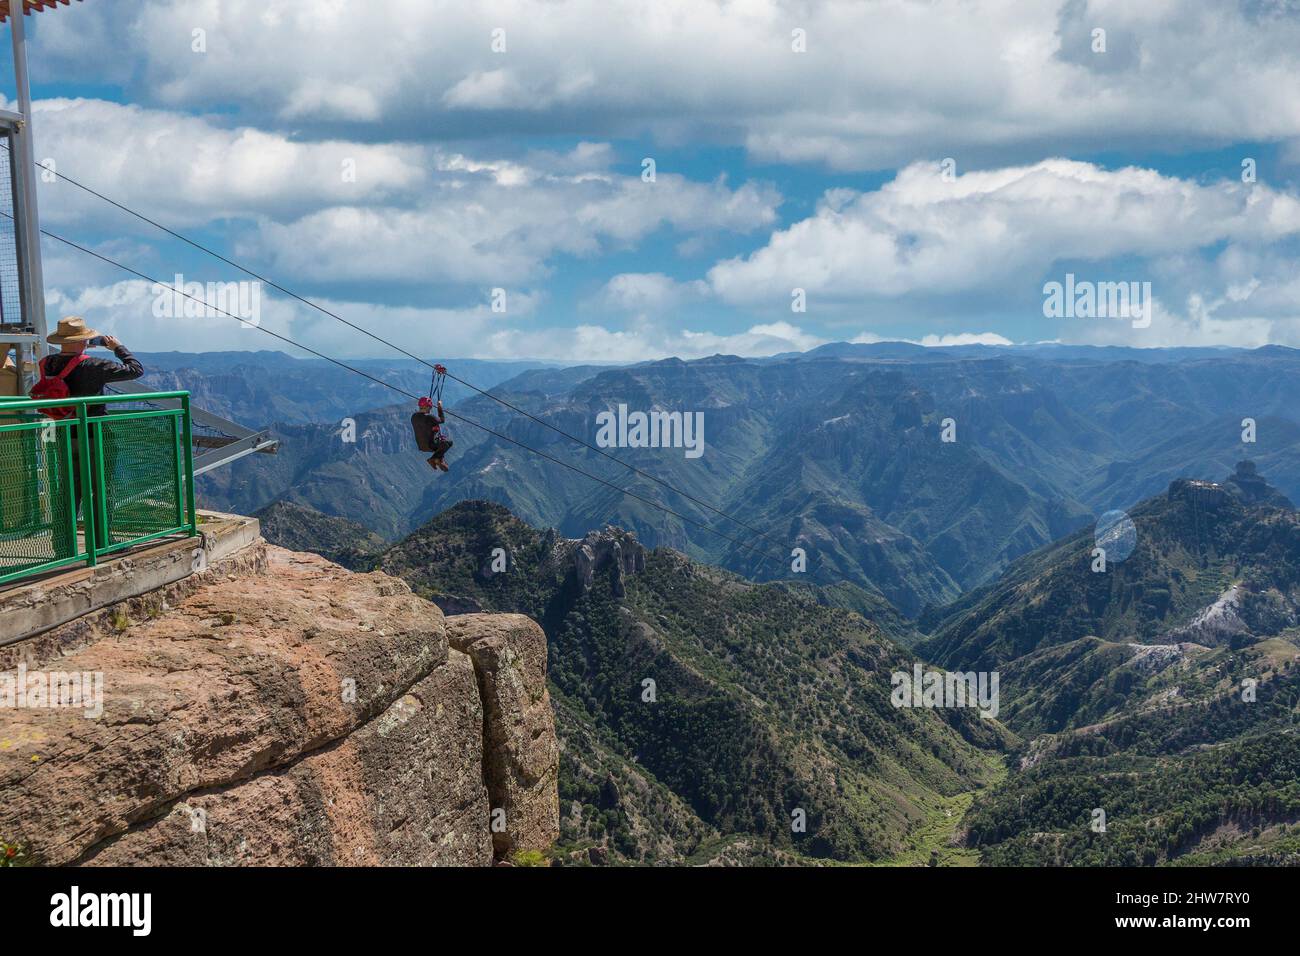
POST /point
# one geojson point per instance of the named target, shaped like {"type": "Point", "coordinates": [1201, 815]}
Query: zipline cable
{"type": "Point", "coordinates": [401, 391]}
{"type": "Point", "coordinates": [411, 355]}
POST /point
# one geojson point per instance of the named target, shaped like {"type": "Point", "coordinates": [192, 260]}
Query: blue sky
{"type": "Point", "coordinates": [500, 145]}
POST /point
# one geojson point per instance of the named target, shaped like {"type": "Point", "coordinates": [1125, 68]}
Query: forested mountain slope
{"type": "Point", "coordinates": [765, 701]}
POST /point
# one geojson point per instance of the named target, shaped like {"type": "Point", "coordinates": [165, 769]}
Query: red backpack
{"type": "Point", "coordinates": [55, 388]}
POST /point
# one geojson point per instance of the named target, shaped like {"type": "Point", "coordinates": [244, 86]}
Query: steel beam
{"type": "Point", "coordinates": [249, 445]}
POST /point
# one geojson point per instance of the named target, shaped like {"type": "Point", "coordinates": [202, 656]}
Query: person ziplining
{"type": "Point", "coordinates": [430, 433]}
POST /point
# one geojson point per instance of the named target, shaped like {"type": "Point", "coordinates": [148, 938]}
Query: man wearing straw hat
{"type": "Point", "coordinates": [88, 376]}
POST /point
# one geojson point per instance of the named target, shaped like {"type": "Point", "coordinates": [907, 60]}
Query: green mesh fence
{"type": "Point", "coordinates": [141, 493]}
{"type": "Point", "coordinates": [36, 524]}
{"type": "Point", "coordinates": [136, 475]}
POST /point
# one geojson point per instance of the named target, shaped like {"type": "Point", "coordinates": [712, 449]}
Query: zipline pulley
{"type": "Point", "coordinates": [437, 382]}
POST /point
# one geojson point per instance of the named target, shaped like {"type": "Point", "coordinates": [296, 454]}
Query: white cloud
{"type": "Point", "coordinates": [186, 170]}
{"type": "Point", "coordinates": [475, 228]}
{"type": "Point", "coordinates": [643, 341]}
{"type": "Point", "coordinates": [965, 338]}
{"type": "Point", "coordinates": [1197, 326]}
{"type": "Point", "coordinates": [1246, 296]}
{"type": "Point", "coordinates": [493, 89]}
{"type": "Point", "coordinates": [649, 292]}
{"type": "Point", "coordinates": [921, 233]}
{"type": "Point", "coordinates": [125, 309]}
{"type": "Point", "coordinates": [336, 210]}
{"type": "Point", "coordinates": [317, 97]}
{"type": "Point", "coordinates": [938, 341]}
{"type": "Point", "coordinates": [880, 83]}
{"type": "Point", "coordinates": [294, 90]}
{"type": "Point", "coordinates": [1231, 319]}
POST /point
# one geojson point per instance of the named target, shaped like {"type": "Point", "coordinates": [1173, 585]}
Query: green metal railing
{"type": "Point", "coordinates": [137, 465]}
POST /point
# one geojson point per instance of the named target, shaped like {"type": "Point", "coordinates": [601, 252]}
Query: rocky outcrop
{"type": "Point", "coordinates": [609, 547]}
{"type": "Point", "coordinates": [300, 715]}
{"type": "Point", "coordinates": [1246, 484]}
{"type": "Point", "coordinates": [403, 789]}
{"type": "Point", "coordinates": [1214, 625]}
{"type": "Point", "coordinates": [521, 757]}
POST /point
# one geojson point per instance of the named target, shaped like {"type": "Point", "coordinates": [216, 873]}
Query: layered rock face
{"type": "Point", "coordinates": [297, 716]}
{"type": "Point", "coordinates": [521, 757]}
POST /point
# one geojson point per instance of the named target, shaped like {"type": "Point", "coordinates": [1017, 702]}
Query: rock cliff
{"type": "Point", "coordinates": [1249, 486]}
{"type": "Point", "coordinates": [609, 547]}
{"type": "Point", "coordinates": [285, 711]}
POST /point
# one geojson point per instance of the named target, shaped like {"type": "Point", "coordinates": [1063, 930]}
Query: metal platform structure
{"type": "Point", "coordinates": [23, 323]}
{"type": "Point", "coordinates": [22, 284]}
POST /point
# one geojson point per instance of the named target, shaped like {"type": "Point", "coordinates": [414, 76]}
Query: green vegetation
{"type": "Point", "coordinates": [1158, 809]}
{"type": "Point", "coordinates": [765, 700]}
{"type": "Point", "coordinates": [1192, 543]}
{"type": "Point", "coordinates": [1184, 733]}
{"type": "Point", "coordinates": [12, 854]}
{"type": "Point", "coordinates": [530, 858]}
{"type": "Point", "coordinates": [938, 841]}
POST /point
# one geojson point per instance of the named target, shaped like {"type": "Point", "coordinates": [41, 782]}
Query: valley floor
{"type": "Point", "coordinates": [939, 836]}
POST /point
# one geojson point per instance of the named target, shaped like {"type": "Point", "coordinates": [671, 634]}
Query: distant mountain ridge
{"type": "Point", "coordinates": [843, 457]}
{"type": "Point", "coordinates": [1193, 544]}
{"type": "Point", "coordinates": [297, 528]}
{"type": "Point", "coordinates": [258, 389]}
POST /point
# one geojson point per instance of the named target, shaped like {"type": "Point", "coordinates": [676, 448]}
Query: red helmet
{"type": "Point", "coordinates": [425, 403]}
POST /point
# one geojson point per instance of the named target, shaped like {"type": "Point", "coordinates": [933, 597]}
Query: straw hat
{"type": "Point", "coordinates": [72, 328]}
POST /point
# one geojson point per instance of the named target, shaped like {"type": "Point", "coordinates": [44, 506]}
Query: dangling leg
{"type": "Point", "coordinates": [442, 446]}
